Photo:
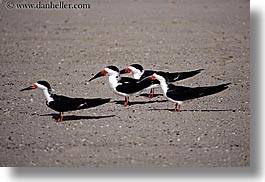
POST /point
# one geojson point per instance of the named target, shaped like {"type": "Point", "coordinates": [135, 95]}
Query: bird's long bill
{"type": "Point", "coordinates": [99, 74]}
{"type": "Point", "coordinates": [28, 88]}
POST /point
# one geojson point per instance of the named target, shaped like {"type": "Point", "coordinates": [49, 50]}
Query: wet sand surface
{"type": "Point", "coordinates": [67, 47]}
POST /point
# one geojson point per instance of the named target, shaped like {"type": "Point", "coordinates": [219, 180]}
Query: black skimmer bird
{"type": "Point", "coordinates": [178, 94]}
{"type": "Point", "coordinates": [123, 86]}
{"type": "Point", "coordinates": [63, 104]}
{"type": "Point", "coordinates": [139, 73]}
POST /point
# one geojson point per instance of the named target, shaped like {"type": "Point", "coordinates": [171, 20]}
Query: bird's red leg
{"type": "Point", "coordinates": [177, 108]}
{"type": "Point", "coordinates": [152, 91]}
{"type": "Point", "coordinates": [126, 101]}
{"type": "Point", "coordinates": [60, 118]}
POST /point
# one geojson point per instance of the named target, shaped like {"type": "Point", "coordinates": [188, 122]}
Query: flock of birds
{"type": "Point", "coordinates": [142, 81]}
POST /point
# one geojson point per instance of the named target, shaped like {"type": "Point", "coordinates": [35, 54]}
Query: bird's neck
{"type": "Point", "coordinates": [164, 86]}
{"type": "Point", "coordinates": [113, 81]}
{"type": "Point", "coordinates": [47, 95]}
{"type": "Point", "coordinates": [137, 75]}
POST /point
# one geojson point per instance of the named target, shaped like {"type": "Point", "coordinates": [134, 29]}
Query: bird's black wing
{"type": "Point", "coordinates": [173, 76]}
{"type": "Point", "coordinates": [181, 93]}
{"type": "Point", "coordinates": [125, 80]}
{"type": "Point", "coordinates": [63, 103]}
{"type": "Point", "coordinates": [134, 86]}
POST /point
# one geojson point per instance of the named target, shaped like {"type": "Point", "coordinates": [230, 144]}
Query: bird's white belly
{"type": "Point", "coordinates": [127, 94]}
{"type": "Point", "coordinates": [174, 101]}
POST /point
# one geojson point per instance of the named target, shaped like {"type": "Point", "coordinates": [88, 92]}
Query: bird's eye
{"type": "Point", "coordinates": [117, 76]}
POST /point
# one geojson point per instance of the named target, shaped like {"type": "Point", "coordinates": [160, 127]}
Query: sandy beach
{"type": "Point", "coordinates": [68, 47]}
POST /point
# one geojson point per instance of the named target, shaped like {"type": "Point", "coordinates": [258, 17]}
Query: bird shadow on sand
{"type": "Point", "coordinates": [121, 102]}
{"type": "Point", "coordinates": [147, 95]}
{"type": "Point", "coordinates": [196, 110]}
{"type": "Point", "coordinates": [74, 117]}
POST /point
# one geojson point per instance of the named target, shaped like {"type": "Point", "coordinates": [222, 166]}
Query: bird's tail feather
{"type": "Point", "coordinates": [183, 75]}
{"type": "Point", "coordinates": [204, 91]}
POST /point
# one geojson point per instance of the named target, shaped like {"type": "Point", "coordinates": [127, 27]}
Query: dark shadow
{"type": "Point", "coordinates": [74, 117]}
{"type": "Point", "coordinates": [147, 95]}
{"type": "Point", "coordinates": [138, 102]}
{"type": "Point", "coordinates": [196, 110]}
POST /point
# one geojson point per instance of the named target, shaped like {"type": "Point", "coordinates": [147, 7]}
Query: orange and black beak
{"type": "Point", "coordinates": [34, 86]}
{"type": "Point", "coordinates": [99, 74]}
{"type": "Point", "coordinates": [126, 70]}
{"type": "Point", "coordinates": [152, 77]}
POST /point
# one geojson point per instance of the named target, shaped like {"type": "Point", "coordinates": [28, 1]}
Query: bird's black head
{"type": "Point", "coordinates": [158, 77]}
{"type": "Point", "coordinates": [105, 71]}
{"type": "Point", "coordinates": [114, 68]}
{"type": "Point", "coordinates": [138, 66]}
{"type": "Point", "coordinates": [133, 68]}
{"type": "Point", "coordinates": [45, 83]}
